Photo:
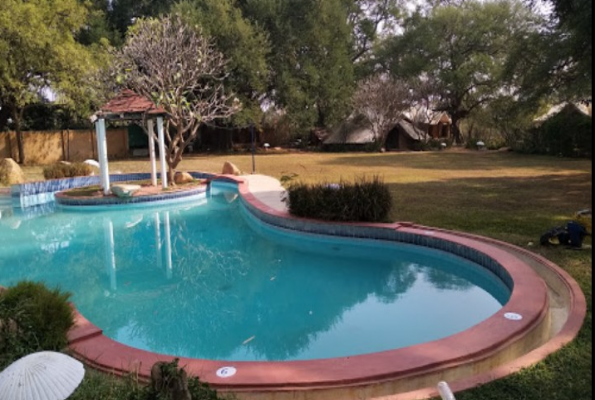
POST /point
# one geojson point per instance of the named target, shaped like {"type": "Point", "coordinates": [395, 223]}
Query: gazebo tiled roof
{"type": "Point", "coordinates": [129, 105]}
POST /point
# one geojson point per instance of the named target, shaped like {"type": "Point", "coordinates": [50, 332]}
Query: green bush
{"type": "Point", "coordinates": [33, 318]}
{"type": "Point", "coordinates": [169, 381]}
{"type": "Point", "coordinates": [366, 200]}
{"type": "Point", "coordinates": [61, 170]}
{"type": "Point", "coordinates": [565, 134]}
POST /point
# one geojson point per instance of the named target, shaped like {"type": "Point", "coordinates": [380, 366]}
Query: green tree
{"type": "Point", "coordinates": [463, 49]}
{"type": "Point", "coordinates": [123, 13]}
{"type": "Point", "coordinates": [555, 63]}
{"type": "Point", "coordinates": [243, 43]}
{"type": "Point", "coordinates": [576, 18]}
{"type": "Point", "coordinates": [368, 18]}
{"type": "Point", "coordinates": [312, 76]}
{"type": "Point", "coordinates": [39, 54]}
{"type": "Point", "coordinates": [98, 27]}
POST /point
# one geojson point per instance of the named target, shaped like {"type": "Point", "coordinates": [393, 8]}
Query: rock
{"type": "Point", "coordinates": [10, 172]}
{"type": "Point", "coordinates": [125, 191]}
{"type": "Point", "coordinates": [183, 177]}
{"type": "Point", "coordinates": [230, 169]}
{"type": "Point", "coordinates": [92, 163]}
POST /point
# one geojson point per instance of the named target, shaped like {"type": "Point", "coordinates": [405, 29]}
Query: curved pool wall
{"type": "Point", "coordinates": [493, 348]}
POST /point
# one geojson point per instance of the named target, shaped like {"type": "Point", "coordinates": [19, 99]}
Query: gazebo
{"type": "Point", "coordinates": [129, 106]}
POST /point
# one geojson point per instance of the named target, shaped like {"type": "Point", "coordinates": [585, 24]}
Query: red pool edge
{"type": "Point", "coordinates": [469, 352]}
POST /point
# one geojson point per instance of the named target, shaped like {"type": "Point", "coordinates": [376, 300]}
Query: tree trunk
{"type": "Point", "coordinates": [321, 123]}
{"type": "Point", "coordinates": [17, 115]}
{"type": "Point", "coordinates": [171, 172]}
{"type": "Point", "coordinates": [456, 131]}
{"type": "Point", "coordinates": [4, 115]}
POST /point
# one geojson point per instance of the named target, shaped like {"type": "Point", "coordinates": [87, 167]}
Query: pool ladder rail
{"type": "Point", "coordinates": [445, 392]}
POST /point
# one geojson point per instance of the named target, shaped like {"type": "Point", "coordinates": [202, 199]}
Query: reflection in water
{"type": "Point", "coordinates": [244, 291]}
{"type": "Point", "coordinates": [158, 241]}
{"type": "Point", "coordinates": [110, 254]}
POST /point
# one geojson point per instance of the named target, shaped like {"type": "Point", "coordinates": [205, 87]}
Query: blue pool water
{"type": "Point", "coordinates": [207, 280]}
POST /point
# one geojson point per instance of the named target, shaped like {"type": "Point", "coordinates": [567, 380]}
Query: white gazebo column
{"type": "Point", "coordinates": [150, 126]}
{"type": "Point", "coordinates": [162, 152]}
{"type": "Point", "coordinates": [102, 154]}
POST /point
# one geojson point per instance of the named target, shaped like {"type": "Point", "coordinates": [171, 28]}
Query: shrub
{"type": "Point", "coordinates": [565, 134]}
{"type": "Point", "coordinates": [366, 200]}
{"type": "Point", "coordinates": [61, 170]}
{"type": "Point", "coordinates": [33, 318]}
{"type": "Point", "coordinates": [169, 381]}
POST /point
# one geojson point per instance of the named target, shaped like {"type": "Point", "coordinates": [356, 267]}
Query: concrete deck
{"type": "Point", "coordinates": [267, 190]}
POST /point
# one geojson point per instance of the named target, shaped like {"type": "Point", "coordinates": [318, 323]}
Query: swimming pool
{"type": "Point", "coordinates": [206, 279]}
{"type": "Point", "coordinates": [544, 311]}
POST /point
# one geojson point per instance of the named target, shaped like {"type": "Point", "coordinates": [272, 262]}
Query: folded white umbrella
{"type": "Point", "coordinates": [45, 375]}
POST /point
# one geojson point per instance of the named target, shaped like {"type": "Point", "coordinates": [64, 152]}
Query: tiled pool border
{"type": "Point", "coordinates": [35, 193]}
{"type": "Point", "coordinates": [467, 358]}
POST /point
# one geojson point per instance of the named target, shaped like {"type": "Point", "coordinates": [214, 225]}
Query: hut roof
{"type": "Point", "coordinates": [558, 108]}
{"type": "Point", "coordinates": [438, 116]}
{"type": "Point", "coordinates": [355, 135]}
{"type": "Point", "coordinates": [411, 131]}
{"type": "Point", "coordinates": [424, 115]}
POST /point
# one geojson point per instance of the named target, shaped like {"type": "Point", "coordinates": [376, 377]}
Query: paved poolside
{"type": "Point", "coordinates": [266, 189]}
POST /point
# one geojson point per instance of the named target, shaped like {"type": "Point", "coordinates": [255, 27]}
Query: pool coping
{"type": "Point", "coordinates": [467, 359]}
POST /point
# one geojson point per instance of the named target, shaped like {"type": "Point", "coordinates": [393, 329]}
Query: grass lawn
{"type": "Point", "coordinates": [507, 196]}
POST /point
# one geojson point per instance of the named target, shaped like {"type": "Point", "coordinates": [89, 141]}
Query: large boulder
{"type": "Point", "coordinates": [182, 177]}
{"type": "Point", "coordinates": [125, 191]}
{"type": "Point", "coordinates": [10, 172]}
{"type": "Point", "coordinates": [230, 169]}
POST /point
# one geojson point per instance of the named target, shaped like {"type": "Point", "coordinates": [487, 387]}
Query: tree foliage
{"type": "Point", "coordinates": [463, 49]}
{"type": "Point", "coordinates": [244, 44]}
{"type": "Point", "coordinates": [178, 68]}
{"type": "Point", "coordinates": [555, 63]}
{"type": "Point", "coordinates": [576, 18]}
{"type": "Point", "coordinates": [367, 19]}
{"type": "Point", "coordinates": [123, 13]}
{"type": "Point", "coordinates": [312, 76]}
{"type": "Point", "coordinates": [39, 54]}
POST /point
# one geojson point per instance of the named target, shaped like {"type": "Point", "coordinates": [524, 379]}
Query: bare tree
{"type": "Point", "coordinates": [382, 100]}
{"type": "Point", "coordinates": [181, 71]}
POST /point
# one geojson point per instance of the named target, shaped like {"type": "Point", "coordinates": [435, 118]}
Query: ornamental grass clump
{"type": "Point", "coordinates": [61, 170]}
{"type": "Point", "coordinates": [365, 200]}
{"type": "Point", "coordinates": [33, 318]}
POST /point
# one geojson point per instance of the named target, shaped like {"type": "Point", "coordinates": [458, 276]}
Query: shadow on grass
{"type": "Point", "coordinates": [463, 160]}
{"type": "Point", "coordinates": [496, 207]}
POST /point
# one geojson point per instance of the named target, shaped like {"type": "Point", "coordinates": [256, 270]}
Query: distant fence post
{"type": "Point", "coordinates": [62, 143]}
